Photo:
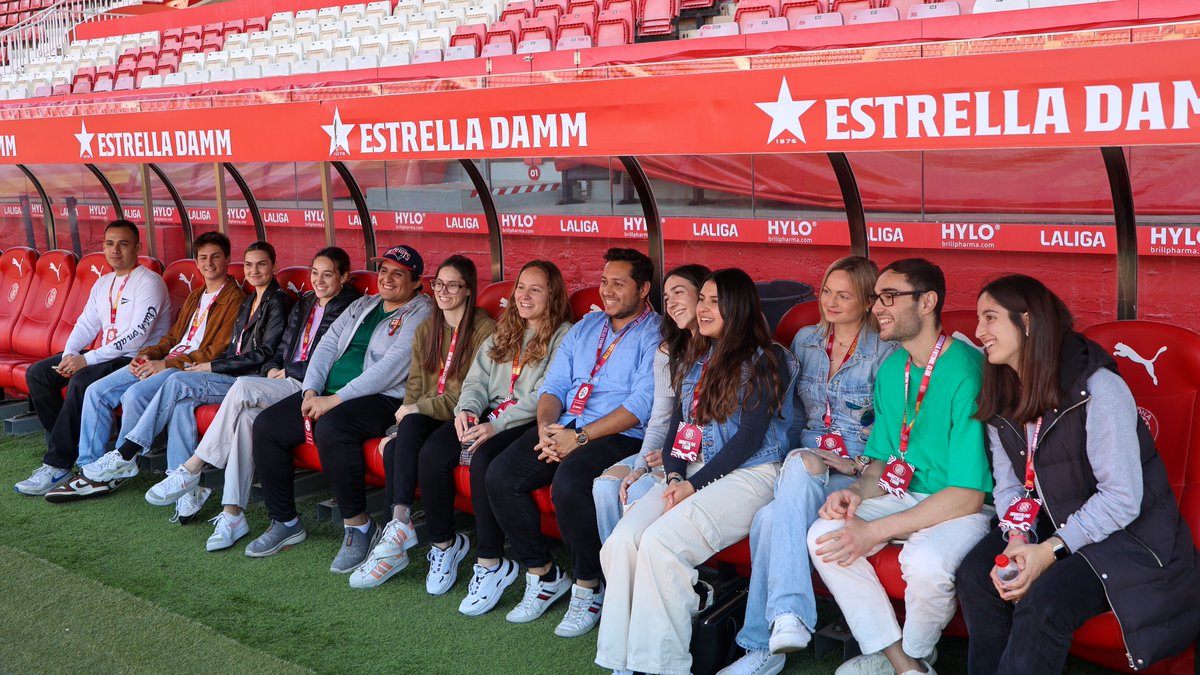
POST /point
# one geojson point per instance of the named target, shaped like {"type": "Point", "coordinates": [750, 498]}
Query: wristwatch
{"type": "Point", "coordinates": [581, 437]}
{"type": "Point", "coordinates": [1061, 550]}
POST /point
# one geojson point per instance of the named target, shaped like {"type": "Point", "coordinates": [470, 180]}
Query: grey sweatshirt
{"type": "Point", "coordinates": [386, 364]}
{"type": "Point", "coordinates": [1112, 450]}
{"type": "Point", "coordinates": [486, 384]}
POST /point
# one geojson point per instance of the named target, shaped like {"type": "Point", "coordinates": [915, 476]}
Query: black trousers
{"type": "Point", "coordinates": [338, 434]}
{"type": "Point", "coordinates": [1034, 634]}
{"type": "Point", "coordinates": [436, 465]}
{"type": "Point", "coordinates": [400, 457]}
{"type": "Point", "coordinates": [61, 417]}
{"type": "Point", "coordinates": [518, 471]}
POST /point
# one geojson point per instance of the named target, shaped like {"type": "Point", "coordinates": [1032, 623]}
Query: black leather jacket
{"type": "Point", "coordinates": [257, 336]}
{"type": "Point", "coordinates": [295, 330]}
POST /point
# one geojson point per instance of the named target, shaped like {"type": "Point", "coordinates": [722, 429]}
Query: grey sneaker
{"type": "Point", "coordinates": [275, 539]}
{"type": "Point", "coordinates": [44, 479]}
{"type": "Point", "coordinates": [110, 467]}
{"type": "Point", "coordinates": [355, 548]}
{"type": "Point", "coordinates": [168, 490]}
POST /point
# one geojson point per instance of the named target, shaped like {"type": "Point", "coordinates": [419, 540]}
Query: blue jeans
{"type": "Point", "coordinates": [173, 408]}
{"type": "Point", "coordinates": [781, 577]}
{"type": "Point", "coordinates": [606, 492]}
{"type": "Point", "coordinates": [120, 388]}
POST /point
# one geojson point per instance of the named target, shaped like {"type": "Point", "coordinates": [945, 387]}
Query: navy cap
{"type": "Point", "coordinates": [405, 256]}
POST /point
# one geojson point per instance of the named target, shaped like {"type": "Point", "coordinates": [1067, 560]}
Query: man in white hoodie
{"type": "Point", "coordinates": [126, 309]}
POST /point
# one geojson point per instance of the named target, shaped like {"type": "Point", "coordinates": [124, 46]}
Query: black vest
{"type": "Point", "coordinates": [1148, 569]}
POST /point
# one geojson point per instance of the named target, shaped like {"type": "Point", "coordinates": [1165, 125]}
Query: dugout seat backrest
{"type": "Point", "coordinates": [47, 296]}
{"type": "Point", "coordinates": [961, 324]}
{"type": "Point", "coordinates": [87, 272]}
{"type": "Point", "coordinates": [800, 315]}
{"type": "Point", "coordinates": [586, 300]}
{"type": "Point", "coordinates": [294, 280]}
{"type": "Point", "coordinates": [181, 277]}
{"type": "Point", "coordinates": [17, 269]}
{"type": "Point", "coordinates": [151, 263]}
{"type": "Point", "coordinates": [494, 297]}
{"type": "Point", "coordinates": [365, 281]}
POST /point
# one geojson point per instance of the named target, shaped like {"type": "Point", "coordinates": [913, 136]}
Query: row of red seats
{"type": "Point", "coordinates": [204, 36]}
{"type": "Point", "coordinates": [133, 65]}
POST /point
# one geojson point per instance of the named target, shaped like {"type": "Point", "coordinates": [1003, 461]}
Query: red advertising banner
{"type": "Point", "coordinates": [1115, 95]}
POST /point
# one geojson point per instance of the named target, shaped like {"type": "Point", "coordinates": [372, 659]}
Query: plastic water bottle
{"type": "Point", "coordinates": [1006, 569]}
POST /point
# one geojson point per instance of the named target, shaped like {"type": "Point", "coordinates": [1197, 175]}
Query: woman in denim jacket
{"type": "Point", "coordinates": [722, 454]}
{"type": "Point", "coordinates": [834, 413]}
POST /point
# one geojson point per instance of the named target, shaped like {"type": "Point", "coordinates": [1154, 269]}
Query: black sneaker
{"type": "Point", "coordinates": [81, 487]}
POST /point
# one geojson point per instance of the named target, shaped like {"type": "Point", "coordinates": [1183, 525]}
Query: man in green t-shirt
{"type": "Point", "coordinates": [925, 482]}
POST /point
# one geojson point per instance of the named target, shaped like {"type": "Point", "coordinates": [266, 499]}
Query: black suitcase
{"type": "Point", "coordinates": [714, 630]}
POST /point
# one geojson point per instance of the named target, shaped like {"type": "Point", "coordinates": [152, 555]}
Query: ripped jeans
{"type": "Point", "coordinates": [606, 492]}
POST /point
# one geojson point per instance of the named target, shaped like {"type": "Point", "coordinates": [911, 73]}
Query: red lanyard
{"type": "Point", "coordinates": [829, 353]}
{"type": "Point", "coordinates": [306, 337]}
{"type": "Point", "coordinates": [1030, 474]}
{"type": "Point", "coordinates": [905, 425]}
{"type": "Point", "coordinates": [113, 304]}
{"type": "Point", "coordinates": [446, 365]}
{"type": "Point", "coordinates": [696, 393]}
{"type": "Point", "coordinates": [199, 315]}
{"type": "Point", "coordinates": [517, 367]}
{"type": "Point", "coordinates": [602, 358]}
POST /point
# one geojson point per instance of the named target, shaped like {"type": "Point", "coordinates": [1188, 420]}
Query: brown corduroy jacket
{"type": "Point", "coordinates": [221, 318]}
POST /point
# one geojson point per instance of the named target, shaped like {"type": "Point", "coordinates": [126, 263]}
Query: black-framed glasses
{"type": "Point", "coordinates": [452, 287]}
{"type": "Point", "coordinates": [888, 298]}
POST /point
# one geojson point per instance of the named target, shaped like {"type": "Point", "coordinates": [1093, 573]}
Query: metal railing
{"type": "Point", "coordinates": [50, 30]}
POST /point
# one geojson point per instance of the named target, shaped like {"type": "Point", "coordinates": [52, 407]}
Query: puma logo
{"type": "Point", "coordinates": [186, 280]}
{"type": "Point", "coordinates": [503, 303]}
{"type": "Point", "coordinates": [594, 308]}
{"type": "Point", "coordinates": [19, 265]}
{"type": "Point", "coordinates": [958, 335]}
{"type": "Point", "coordinates": [96, 272]}
{"type": "Point", "coordinates": [292, 287]}
{"type": "Point", "coordinates": [1126, 351]}
{"type": "Point", "coordinates": [57, 271]}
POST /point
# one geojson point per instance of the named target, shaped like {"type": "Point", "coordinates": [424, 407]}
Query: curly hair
{"type": "Point", "coordinates": [509, 335]}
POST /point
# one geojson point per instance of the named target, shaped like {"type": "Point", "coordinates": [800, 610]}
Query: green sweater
{"type": "Point", "coordinates": [486, 385]}
{"type": "Point", "coordinates": [422, 385]}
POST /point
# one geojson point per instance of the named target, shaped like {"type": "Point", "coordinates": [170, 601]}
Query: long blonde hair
{"type": "Point", "coordinates": [863, 274]}
{"type": "Point", "coordinates": [510, 329]}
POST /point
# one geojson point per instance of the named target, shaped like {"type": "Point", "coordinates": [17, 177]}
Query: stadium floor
{"type": "Point", "coordinates": [109, 585]}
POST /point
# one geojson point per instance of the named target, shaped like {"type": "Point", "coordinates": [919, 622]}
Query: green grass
{"type": "Point", "coordinates": [109, 585]}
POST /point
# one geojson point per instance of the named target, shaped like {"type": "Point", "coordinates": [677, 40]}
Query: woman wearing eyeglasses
{"type": "Point", "coordinates": [443, 348]}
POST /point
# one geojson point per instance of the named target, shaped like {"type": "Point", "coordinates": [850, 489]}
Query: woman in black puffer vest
{"type": "Point", "coordinates": [1106, 531]}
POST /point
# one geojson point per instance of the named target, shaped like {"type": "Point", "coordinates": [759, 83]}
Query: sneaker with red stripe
{"type": "Point", "coordinates": [583, 613]}
{"type": "Point", "coordinates": [388, 557]}
{"type": "Point", "coordinates": [539, 595]}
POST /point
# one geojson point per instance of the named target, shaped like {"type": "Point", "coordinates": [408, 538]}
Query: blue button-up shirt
{"type": "Point", "coordinates": [626, 380]}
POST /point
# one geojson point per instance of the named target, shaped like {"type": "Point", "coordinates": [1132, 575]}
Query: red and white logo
{"type": "Point", "coordinates": [785, 115]}
{"type": "Point", "coordinates": [1024, 506]}
{"type": "Point", "coordinates": [57, 271]}
{"type": "Point", "coordinates": [689, 434]}
{"type": "Point", "coordinates": [1128, 352]}
{"type": "Point", "coordinates": [97, 272]}
{"type": "Point", "coordinates": [899, 469]}
{"type": "Point", "coordinates": [51, 297]}
{"type": "Point", "coordinates": [1150, 420]}
{"type": "Point", "coordinates": [339, 135]}
{"type": "Point", "coordinates": [12, 291]}
{"type": "Point", "coordinates": [85, 140]}
{"type": "Point", "coordinates": [19, 265]}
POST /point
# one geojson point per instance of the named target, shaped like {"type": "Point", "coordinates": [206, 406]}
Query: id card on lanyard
{"type": "Point", "coordinates": [1023, 511]}
{"type": "Point", "coordinates": [898, 473]}
{"type": "Point", "coordinates": [517, 367]}
{"type": "Point", "coordinates": [306, 338]}
{"type": "Point", "coordinates": [689, 435]}
{"type": "Point", "coordinates": [832, 440]}
{"type": "Point", "coordinates": [114, 303]}
{"type": "Point", "coordinates": [198, 318]}
{"type": "Point", "coordinates": [602, 355]}
{"type": "Point", "coordinates": [441, 389]}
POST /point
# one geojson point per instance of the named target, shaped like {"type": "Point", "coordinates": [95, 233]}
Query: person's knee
{"type": "Point", "coordinates": [1042, 610]}
{"type": "Point", "coordinates": [571, 486]}
{"type": "Point", "coordinates": [760, 525]}
{"type": "Point", "coordinates": [819, 529]}
{"type": "Point", "coordinates": [927, 567]}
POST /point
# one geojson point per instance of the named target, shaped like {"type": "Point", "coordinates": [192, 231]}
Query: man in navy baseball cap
{"type": "Point", "coordinates": [405, 256]}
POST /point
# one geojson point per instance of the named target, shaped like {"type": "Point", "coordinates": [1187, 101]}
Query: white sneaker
{"type": "Point", "coordinates": [756, 662]}
{"type": "Point", "coordinates": [583, 612]}
{"type": "Point", "coordinates": [43, 479]}
{"type": "Point", "coordinates": [878, 664]}
{"type": "Point", "coordinates": [928, 670]}
{"type": "Point", "coordinates": [388, 557]}
{"type": "Point", "coordinates": [443, 565]}
{"type": "Point", "coordinates": [788, 634]}
{"type": "Point", "coordinates": [539, 595]}
{"type": "Point", "coordinates": [168, 490]}
{"type": "Point", "coordinates": [189, 505]}
{"type": "Point", "coordinates": [111, 466]}
{"type": "Point", "coordinates": [228, 529]}
{"type": "Point", "coordinates": [486, 587]}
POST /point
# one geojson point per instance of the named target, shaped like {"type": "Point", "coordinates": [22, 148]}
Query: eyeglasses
{"type": "Point", "coordinates": [888, 298]}
{"type": "Point", "coordinates": [451, 287]}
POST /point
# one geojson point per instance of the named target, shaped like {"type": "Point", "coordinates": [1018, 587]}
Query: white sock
{"type": "Point", "coordinates": [293, 522]}
{"type": "Point", "coordinates": [364, 528]}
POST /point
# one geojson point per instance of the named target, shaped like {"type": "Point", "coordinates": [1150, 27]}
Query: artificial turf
{"type": "Point", "coordinates": [109, 585]}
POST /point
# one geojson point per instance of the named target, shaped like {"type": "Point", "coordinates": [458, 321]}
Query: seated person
{"type": "Point", "coordinates": [1067, 440]}
{"type": "Point", "coordinates": [126, 309]}
{"type": "Point", "coordinates": [730, 433]}
{"type": "Point", "coordinates": [355, 381]}
{"type": "Point", "coordinates": [199, 335]}
{"type": "Point", "coordinates": [444, 347]}
{"type": "Point", "coordinates": [227, 443]}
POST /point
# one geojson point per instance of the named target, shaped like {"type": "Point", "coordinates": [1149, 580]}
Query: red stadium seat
{"type": "Point", "coordinates": [658, 17]}
{"type": "Point", "coordinates": [792, 9]}
{"type": "Point", "coordinates": [17, 268]}
{"type": "Point", "coordinates": [256, 24]}
{"type": "Point", "coordinates": [128, 59]}
{"type": "Point", "coordinates": [196, 32]}
{"type": "Point", "coordinates": [191, 45]}
{"type": "Point", "coordinates": [576, 24]}
{"type": "Point", "coordinates": [233, 26]}
{"type": "Point", "coordinates": [503, 32]}
{"type": "Point", "coordinates": [472, 34]}
{"type": "Point", "coordinates": [749, 11]}
{"type": "Point", "coordinates": [60, 90]}
{"type": "Point", "coordinates": [847, 8]}
{"type": "Point", "coordinates": [48, 293]}
{"type": "Point", "coordinates": [614, 27]}
{"type": "Point", "coordinates": [799, 316]}
{"type": "Point", "coordinates": [583, 7]}
{"type": "Point", "coordinates": [494, 297]}
{"type": "Point", "coordinates": [124, 83]}
{"type": "Point", "coordinates": [541, 28]}
{"type": "Point", "coordinates": [961, 323]}
{"type": "Point", "coordinates": [366, 282]}
{"type": "Point", "coordinates": [520, 9]}
{"type": "Point", "coordinates": [586, 300]}
{"type": "Point", "coordinates": [239, 274]}
{"type": "Point", "coordinates": [212, 43]}
{"type": "Point", "coordinates": [555, 8]}
{"type": "Point", "coordinates": [205, 415]}
{"type": "Point", "coordinates": [294, 280]}
{"type": "Point", "coordinates": [151, 263]}
{"type": "Point", "coordinates": [182, 277]}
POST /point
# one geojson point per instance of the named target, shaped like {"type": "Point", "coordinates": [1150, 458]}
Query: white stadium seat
{"type": "Point", "coordinates": [347, 47]}
{"type": "Point", "coordinates": [398, 58]}
{"type": "Point", "coordinates": [247, 72]}
{"type": "Point", "coordinates": [334, 64]}
{"type": "Point", "coordinates": [264, 55]}
{"type": "Point", "coordinates": [152, 82]}
{"type": "Point", "coordinates": [277, 70]}
{"type": "Point", "coordinates": [363, 61]}
{"type": "Point", "coordinates": [306, 67]}
{"type": "Point", "coordinates": [985, 6]}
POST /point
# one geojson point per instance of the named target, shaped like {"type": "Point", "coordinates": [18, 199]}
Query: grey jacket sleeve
{"type": "Point", "coordinates": [328, 349]}
{"type": "Point", "coordinates": [389, 374]}
{"type": "Point", "coordinates": [660, 413]}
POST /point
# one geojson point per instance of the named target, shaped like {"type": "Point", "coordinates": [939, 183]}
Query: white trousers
{"type": "Point", "coordinates": [650, 562]}
{"type": "Point", "coordinates": [227, 443]}
{"type": "Point", "coordinates": [928, 560]}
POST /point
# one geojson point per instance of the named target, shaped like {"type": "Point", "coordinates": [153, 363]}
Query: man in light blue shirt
{"type": "Point", "coordinates": [593, 407]}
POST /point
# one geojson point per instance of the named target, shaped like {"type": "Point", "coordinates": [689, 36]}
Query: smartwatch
{"type": "Point", "coordinates": [581, 437]}
{"type": "Point", "coordinates": [1061, 550]}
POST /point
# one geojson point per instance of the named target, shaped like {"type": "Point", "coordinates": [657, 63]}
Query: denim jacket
{"type": "Point", "coordinates": [717, 434]}
{"type": "Point", "coordinates": [850, 391]}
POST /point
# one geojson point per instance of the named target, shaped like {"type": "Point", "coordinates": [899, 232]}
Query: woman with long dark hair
{"type": "Point", "coordinates": [726, 439]}
{"type": "Point", "coordinates": [619, 487]}
{"type": "Point", "coordinates": [443, 349]}
{"type": "Point", "coordinates": [1089, 522]}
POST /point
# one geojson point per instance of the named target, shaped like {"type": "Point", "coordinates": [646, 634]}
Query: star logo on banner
{"type": "Point", "coordinates": [85, 140]}
{"type": "Point", "coordinates": [339, 134]}
{"type": "Point", "coordinates": [785, 113]}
